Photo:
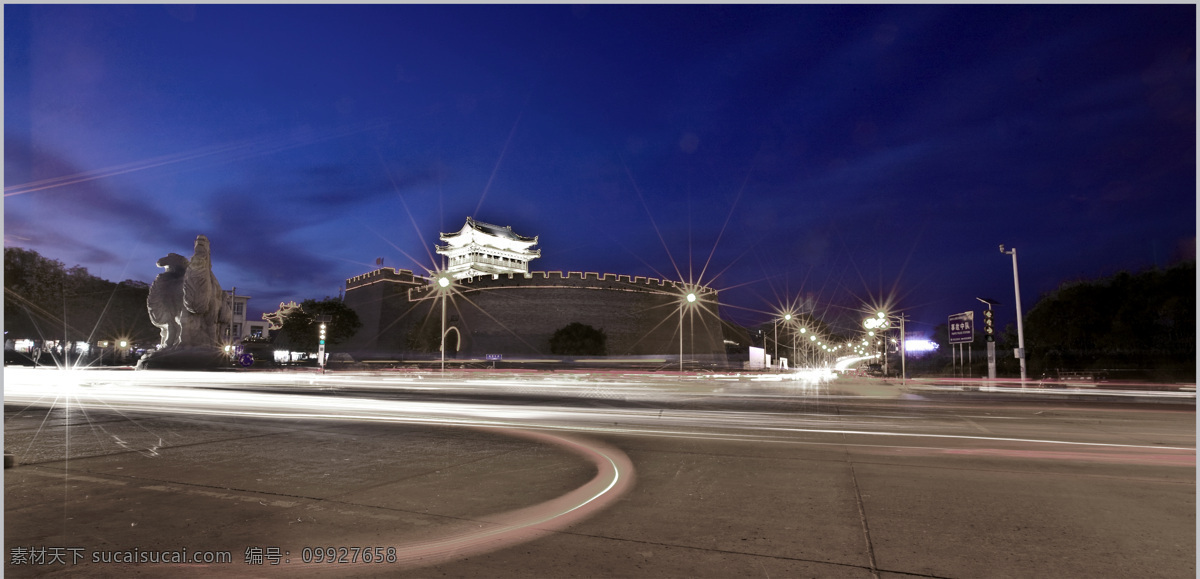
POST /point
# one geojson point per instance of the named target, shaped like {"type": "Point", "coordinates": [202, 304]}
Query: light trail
{"type": "Point", "coordinates": [96, 389]}
{"type": "Point", "coordinates": [299, 396]}
{"type": "Point", "coordinates": [373, 399]}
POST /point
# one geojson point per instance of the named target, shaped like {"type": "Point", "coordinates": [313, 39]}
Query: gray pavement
{"type": "Point", "coordinates": [710, 498]}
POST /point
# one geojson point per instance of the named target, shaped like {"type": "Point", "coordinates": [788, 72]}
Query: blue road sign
{"type": "Point", "coordinates": [961, 328]}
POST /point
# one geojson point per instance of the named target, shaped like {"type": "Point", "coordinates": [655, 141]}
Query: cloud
{"type": "Point", "coordinates": [85, 220]}
{"type": "Point", "coordinates": [258, 239]}
{"type": "Point", "coordinates": [339, 185]}
{"type": "Point", "coordinates": [80, 195]}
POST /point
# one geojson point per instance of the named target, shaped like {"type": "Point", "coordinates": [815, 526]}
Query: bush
{"type": "Point", "coordinates": [576, 339]}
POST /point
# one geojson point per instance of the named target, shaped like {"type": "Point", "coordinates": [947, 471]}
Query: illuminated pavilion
{"type": "Point", "coordinates": [480, 249]}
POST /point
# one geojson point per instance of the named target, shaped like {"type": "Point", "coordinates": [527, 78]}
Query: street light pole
{"type": "Point", "coordinates": [1020, 326]}
{"type": "Point", "coordinates": [776, 323]}
{"type": "Point", "coordinates": [690, 298]}
{"type": "Point", "coordinates": [787, 318]}
{"type": "Point", "coordinates": [443, 283]}
{"type": "Point", "coordinates": [443, 346]}
{"type": "Point", "coordinates": [681, 338]}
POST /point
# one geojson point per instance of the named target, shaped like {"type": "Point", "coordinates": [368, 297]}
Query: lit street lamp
{"type": "Point", "coordinates": [444, 288]}
{"type": "Point", "coordinates": [1020, 328]}
{"type": "Point", "coordinates": [688, 300]}
{"type": "Point", "coordinates": [881, 320]}
{"type": "Point", "coordinates": [788, 318]}
{"type": "Point", "coordinates": [806, 360]}
{"type": "Point", "coordinates": [775, 321]}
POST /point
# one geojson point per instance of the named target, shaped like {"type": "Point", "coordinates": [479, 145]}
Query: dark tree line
{"type": "Point", "coordinates": [46, 300]}
{"type": "Point", "coordinates": [1141, 325]}
{"type": "Point", "coordinates": [1127, 321]}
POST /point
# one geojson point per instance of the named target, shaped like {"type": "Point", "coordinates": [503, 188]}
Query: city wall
{"type": "Point", "coordinates": [516, 314]}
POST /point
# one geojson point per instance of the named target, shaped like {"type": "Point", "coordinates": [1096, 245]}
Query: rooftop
{"type": "Point", "coordinates": [505, 232]}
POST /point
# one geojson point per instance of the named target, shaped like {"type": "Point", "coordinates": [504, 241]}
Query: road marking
{"type": "Point", "coordinates": [976, 425]}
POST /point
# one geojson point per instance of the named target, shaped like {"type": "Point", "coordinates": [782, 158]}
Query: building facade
{"type": "Point", "coordinates": [239, 327]}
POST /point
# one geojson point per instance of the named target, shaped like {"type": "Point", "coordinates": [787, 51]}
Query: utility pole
{"type": "Point", "coordinates": [1020, 327]}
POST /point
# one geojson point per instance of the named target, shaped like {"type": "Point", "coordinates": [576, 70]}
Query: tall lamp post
{"type": "Point", "coordinates": [882, 321]}
{"type": "Point", "coordinates": [803, 330]}
{"type": "Point", "coordinates": [444, 287]}
{"type": "Point", "coordinates": [688, 300]}
{"type": "Point", "coordinates": [787, 318]}
{"type": "Point", "coordinates": [1020, 327]}
{"type": "Point", "coordinates": [775, 321]}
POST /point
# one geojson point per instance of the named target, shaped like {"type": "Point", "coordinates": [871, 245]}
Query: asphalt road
{"type": "Point", "coordinates": [589, 475]}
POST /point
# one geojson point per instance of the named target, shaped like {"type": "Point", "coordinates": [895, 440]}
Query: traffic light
{"type": "Point", "coordinates": [988, 329]}
{"type": "Point", "coordinates": [322, 335]}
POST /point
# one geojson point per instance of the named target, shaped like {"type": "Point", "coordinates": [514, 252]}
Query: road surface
{"type": "Point", "coordinates": [589, 475]}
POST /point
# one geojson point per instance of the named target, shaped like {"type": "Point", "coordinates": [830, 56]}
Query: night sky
{"type": "Point", "coordinates": [838, 155]}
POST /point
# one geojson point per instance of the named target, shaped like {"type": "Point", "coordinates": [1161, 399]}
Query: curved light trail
{"type": "Point", "coordinates": [389, 398]}
{"type": "Point", "coordinates": [95, 389]}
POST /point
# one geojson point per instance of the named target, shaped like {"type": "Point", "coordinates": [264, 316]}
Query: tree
{"type": "Point", "coordinates": [46, 300]}
{"type": "Point", "coordinates": [1126, 321]}
{"type": "Point", "coordinates": [300, 326]}
{"type": "Point", "coordinates": [576, 339]}
{"type": "Point", "coordinates": [425, 336]}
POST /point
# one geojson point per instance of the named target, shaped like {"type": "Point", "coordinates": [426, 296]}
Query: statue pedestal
{"type": "Point", "coordinates": [184, 358]}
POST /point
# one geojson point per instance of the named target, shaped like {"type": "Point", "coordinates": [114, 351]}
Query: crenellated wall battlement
{"type": "Point", "coordinates": [572, 279]}
{"type": "Point", "coordinates": [382, 274]}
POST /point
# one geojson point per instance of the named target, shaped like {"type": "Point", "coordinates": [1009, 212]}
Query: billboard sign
{"type": "Point", "coordinates": [961, 328]}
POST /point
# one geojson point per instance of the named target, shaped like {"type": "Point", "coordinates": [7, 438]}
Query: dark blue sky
{"type": "Point", "coordinates": [854, 153]}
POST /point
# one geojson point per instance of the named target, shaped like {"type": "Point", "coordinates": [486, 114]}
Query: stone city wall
{"type": "Point", "coordinates": [516, 314]}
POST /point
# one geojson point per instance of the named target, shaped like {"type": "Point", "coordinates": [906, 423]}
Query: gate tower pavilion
{"type": "Point", "coordinates": [484, 249]}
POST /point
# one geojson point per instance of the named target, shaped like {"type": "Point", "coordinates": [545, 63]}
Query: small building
{"type": "Point", "coordinates": [239, 328]}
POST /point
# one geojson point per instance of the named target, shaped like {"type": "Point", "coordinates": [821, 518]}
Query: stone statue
{"type": "Point", "coordinates": [204, 311]}
{"type": "Point", "coordinates": [165, 303]}
{"type": "Point", "coordinates": [188, 306]}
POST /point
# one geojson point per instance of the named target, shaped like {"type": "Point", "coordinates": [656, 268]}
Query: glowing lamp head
{"type": "Point", "coordinates": [813, 338]}
{"type": "Point", "coordinates": [803, 330]}
{"type": "Point", "coordinates": [444, 281]}
{"type": "Point", "coordinates": [691, 297]}
{"type": "Point", "coordinates": [124, 343]}
{"type": "Point", "coordinates": [787, 317]}
{"type": "Point", "coordinates": [880, 315]}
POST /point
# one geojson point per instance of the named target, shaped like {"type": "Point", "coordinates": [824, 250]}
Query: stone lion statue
{"type": "Point", "coordinates": [204, 304]}
{"type": "Point", "coordinates": [190, 309]}
{"type": "Point", "coordinates": [186, 301]}
{"type": "Point", "coordinates": [165, 303]}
